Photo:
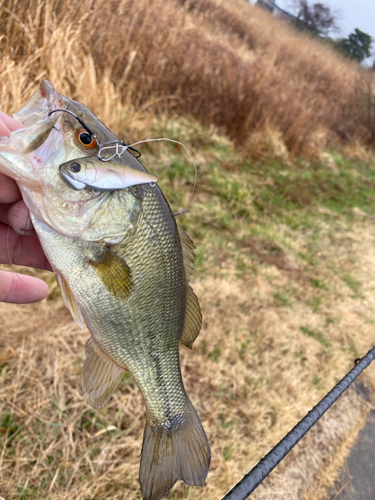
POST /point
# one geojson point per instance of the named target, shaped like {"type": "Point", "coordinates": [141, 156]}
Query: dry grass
{"type": "Point", "coordinates": [226, 63]}
{"type": "Point", "coordinates": [296, 275]}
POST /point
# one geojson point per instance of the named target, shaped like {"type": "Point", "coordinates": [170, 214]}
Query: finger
{"type": "Point", "coordinates": [9, 192]}
{"type": "Point", "coordinates": [21, 289]}
{"type": "Point", "coordinates": [21, 250]}
{"type": "Point", "coordinates": [4, 130]}
{"type": "Point", "coordinates": [10, 123]}
{"type": "Point", "coordinates": [19, 219]}
{"type": "Point", "coordinates": [4, 209]}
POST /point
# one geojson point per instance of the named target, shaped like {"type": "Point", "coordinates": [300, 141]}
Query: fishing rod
{"type": "Point", "coordinates": [257, 474]}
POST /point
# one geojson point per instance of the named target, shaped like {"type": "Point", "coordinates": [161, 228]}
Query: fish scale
{"type": "Point", "coordinates": [156, 235]}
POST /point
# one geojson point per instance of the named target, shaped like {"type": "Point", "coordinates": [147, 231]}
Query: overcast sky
{"type": "Point", "coordinates": [352, 14]}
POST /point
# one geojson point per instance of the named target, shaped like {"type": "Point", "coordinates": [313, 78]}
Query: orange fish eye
{"type": "Point", "coordinates": [85, 139]}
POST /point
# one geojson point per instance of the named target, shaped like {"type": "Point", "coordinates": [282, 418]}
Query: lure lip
{"type": "Point", "coordinates": [69, 179]}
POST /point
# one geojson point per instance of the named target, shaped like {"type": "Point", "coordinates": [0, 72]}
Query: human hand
{"type": "Point", "coordinates": [18, 242]}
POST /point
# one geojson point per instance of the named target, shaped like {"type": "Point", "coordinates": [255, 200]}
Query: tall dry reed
{"type": "Point", "coordinates": [226, 63]}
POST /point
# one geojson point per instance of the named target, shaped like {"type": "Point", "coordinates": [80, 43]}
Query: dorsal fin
{"type": "Point", "coordinates": [69, 299]}
{"type": "Point", "coordinates": [180, 213]}
{"type": "Point", "coordinates": [193, 315]}
{"type": "Point", "coordinates": [188, 254]}
{"type": "Point", "coordinates": [100, 375]}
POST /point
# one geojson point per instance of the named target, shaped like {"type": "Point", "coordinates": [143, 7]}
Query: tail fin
{"type": "Point", "coordinates": [180, 452]}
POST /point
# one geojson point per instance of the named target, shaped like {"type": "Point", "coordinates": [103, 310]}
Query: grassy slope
{"type": "Point", "coordinates": [287, 249]}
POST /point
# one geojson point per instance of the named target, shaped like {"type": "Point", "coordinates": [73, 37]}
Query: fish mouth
{"type": "Point", "coordinates": [44, 100]}
{"type": "Point", "coordinates": [36, 115]}
{"type": "Point", "coordinates": [70, 179]}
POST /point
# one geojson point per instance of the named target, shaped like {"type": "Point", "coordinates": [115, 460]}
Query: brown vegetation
{"type": "Point", "coordinates": [226, 63]}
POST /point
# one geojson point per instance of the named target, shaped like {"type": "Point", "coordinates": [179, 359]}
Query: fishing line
{"type": "Point", "coordinates": [121, 147]}
{"type": "Point", "coordinates": [187, 151]}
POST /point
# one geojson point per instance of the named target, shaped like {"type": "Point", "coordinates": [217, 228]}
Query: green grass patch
{"type": "Point", "coordinates": [215, 354]}
{"type": "Point", "coordinates": [228, 452]}
{"type": "Point", "coordinates": [317, 335]}
{"type": "Point", "coordinates": [352, 283]}
{"type": "Point", "coordinates": [340, 189]}
{"type": "Point", "coordinates": [9, 427]}
{"type": "Point", "coordinates": [282, 299]}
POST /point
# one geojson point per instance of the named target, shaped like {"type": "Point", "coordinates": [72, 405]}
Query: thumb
{"type": "Point", "coordinates": [21, 289]}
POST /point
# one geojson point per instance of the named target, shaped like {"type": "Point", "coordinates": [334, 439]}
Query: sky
{"type": "Point", "coordinates": [351, 14]}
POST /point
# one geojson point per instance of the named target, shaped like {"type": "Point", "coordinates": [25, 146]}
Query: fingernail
{"type": "Point", "coordinates": [26, 232]}
{"type": "Point", "coordinates": [29, 224]}
{"type": "Point", "coordinates": [28, 229]}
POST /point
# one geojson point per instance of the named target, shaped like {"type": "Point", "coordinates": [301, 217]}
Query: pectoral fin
{"type": "Point", "coordinates": [188, 254]}
{"type": "Point", "coordinates": [114, 273]}
{"type": "Point", "coordinates": [100, 375]}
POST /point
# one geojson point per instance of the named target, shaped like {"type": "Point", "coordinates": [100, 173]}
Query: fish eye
{"type": "Point", "coordinates": [85, 139]}
{"type": "Point", "coordinates": [75, 167]}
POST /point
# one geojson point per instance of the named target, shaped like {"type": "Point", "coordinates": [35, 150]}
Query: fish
{"type": "Point", "coordinates": [123, 267]}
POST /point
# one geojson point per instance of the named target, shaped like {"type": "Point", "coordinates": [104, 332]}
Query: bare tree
{"type": "Point", "coordinates": [317, 18]}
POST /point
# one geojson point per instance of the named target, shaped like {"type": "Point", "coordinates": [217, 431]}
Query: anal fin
{"type": "Point", "coordinates": [100, 375]}
{"type": "Point", "coordinates": [193, 319]}
{"type": "Point", "coordinates": [69, 299]}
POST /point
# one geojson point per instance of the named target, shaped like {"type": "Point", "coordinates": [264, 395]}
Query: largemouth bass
{"type": "Point", "coordinates": [123, 267]}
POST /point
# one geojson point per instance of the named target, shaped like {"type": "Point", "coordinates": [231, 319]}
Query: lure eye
{"type": "Point", "coordinates": [85, 139]}
{"type": "Point", "coordinates": [75, 167]}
